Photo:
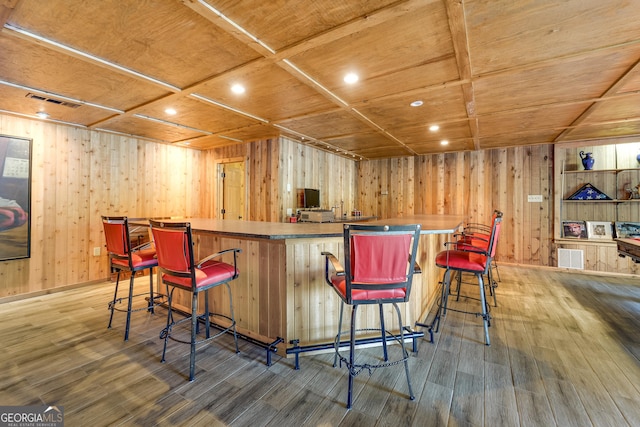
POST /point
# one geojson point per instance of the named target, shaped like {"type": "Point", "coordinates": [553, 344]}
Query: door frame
{"type": "Point", "coordinates": [218, 201]}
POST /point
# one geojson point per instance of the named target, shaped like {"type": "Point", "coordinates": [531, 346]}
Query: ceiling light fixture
{"type": "Point", "coordinates": [42, 114]}
{"type": "Point", "coordinates": [238, 89]}
{"type": "Point", "coordinates": [434, 128]}
{"type": "Point", "coordinates": [170, 111]}
{"type": "Point", "coordinates": [351, 78]}
{"type": "Point", "coordinates": [444, 142]}
{"type": "Point", "coordinates": [417, 103]}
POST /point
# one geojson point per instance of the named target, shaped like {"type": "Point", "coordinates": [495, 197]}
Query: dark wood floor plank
{"type": "Point", "coordinates": [567, 407]}
{"type": "Point", "coordinates": [534, 409]}
{"type": "Point", "coordinates": [499, 394]}
{"type": "Point", "coordinates": [564, 351]}
{"type": "Point", "coordinates": [434, 405]}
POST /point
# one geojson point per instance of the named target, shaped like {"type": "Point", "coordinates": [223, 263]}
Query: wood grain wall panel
{"type": "Point", "coordinates": [609, 160]}
{"type": "Point", "coordinates": [303, 166]}
{"type": "Point", "coordinates": [472, 184]}
{"type": "Point", "coordinates": [79, 175]}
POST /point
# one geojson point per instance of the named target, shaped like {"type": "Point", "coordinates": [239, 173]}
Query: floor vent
{"type": "Point", "coordinates": [53, 100]}
{"type": "Point", "coordinates": [571, 258]}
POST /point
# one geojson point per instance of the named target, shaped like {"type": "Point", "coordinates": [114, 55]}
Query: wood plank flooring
{"type": "Point", "coordinates": [565, 350]}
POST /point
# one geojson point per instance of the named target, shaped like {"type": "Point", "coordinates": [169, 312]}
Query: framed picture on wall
{"type": "Point", "coordinates": [574, 229]}
{"type": "Point", "coordinates": [15, 197]}
{"type": "Point", "coordinates": [602, 230]}
{"type": "Point", "coordinates": [627, 229]}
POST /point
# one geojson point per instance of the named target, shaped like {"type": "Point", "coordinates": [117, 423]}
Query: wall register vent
{"type": "Point", "coordinates": [53, 100]}
{"type": "Point", "coordinates": [571, 258]}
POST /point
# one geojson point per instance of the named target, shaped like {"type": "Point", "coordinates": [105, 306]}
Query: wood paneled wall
{"type": "Point", "coordinates": [471, 184]}
{"type": "Point", "coordinates": [598, 255]}
{"type": "Point", "coordinates": [276, 168]}
{"type": "Point", "coordinates": [79, 175]}
{"type": "Point", "coordinates": [302, 166]}
{"type": "Point", "coordinates": [262, 170]}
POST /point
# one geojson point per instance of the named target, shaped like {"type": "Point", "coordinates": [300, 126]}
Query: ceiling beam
{"type": "Point", "coordinates": [631, 73]}
{"type": "Point", "coordinates": [458, 28]}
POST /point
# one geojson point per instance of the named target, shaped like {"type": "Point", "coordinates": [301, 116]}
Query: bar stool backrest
{"type": "Point", "coordinates": [116, 233]}
{"type": "Point", "coordinates": [495, 233]}
{"type": "Point", "coordinates": [380, 257]}
{"type": "Point", "coordinates": [174, 248]}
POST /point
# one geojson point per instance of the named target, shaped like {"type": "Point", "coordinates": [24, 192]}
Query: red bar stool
{"type": "Point", "coordinates": [122, 257]}
{"type": "Point", "coordinates": [478, 235]}
{"type": "Point", "coordinates": [464, 257]}
{"type": "Point", "coordinates": [379, 268]}
{"type": "Point", "coordinates": [174, 246]}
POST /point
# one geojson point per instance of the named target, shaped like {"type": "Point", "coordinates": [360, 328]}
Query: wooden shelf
{"type": "Point", "coordinates": [602, 170]}
{"type": "Point", "coordinates": [602, 201]}
{"type": "Point", "coordinates": [597, 242]}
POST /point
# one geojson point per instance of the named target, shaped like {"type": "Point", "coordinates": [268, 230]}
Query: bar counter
{"type": "Point", "coordinates": [281, 292]}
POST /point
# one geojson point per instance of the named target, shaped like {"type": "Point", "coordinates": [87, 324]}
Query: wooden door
{"type": "Point", "coordinates": [233, 190]}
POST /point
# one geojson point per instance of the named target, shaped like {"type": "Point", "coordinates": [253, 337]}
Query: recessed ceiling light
{"type": "Point", "coordinates": [434, 128]}
{"type": "Point", "coordinates": [351, 78]}
{"type": "Point", "coordinates": [170, 111]}
{"type": "Point", "coordinates": [444, 142]}
{"type": "Point", "coordinates": [416, 103]}
{"type": "Point", "coordinates": [42, 114]}
{"type": "Point", "coordinates": [237, 88]}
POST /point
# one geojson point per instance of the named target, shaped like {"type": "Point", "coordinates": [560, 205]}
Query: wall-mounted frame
{"type": "Point", "coordinates": [626, 230]}
{"type": "Point", "coordinates": [15, 197]}
{"type": "Point", "coordinates": [601, 230]}
{"type": "Point", "coordinates": [574, 229]}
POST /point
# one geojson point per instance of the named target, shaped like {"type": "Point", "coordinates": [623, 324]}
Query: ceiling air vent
{"type": "Point", "coordinates": [52, 100]}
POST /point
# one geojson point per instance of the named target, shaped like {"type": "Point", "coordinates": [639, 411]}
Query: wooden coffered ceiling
{"type": "Point", "coordinates": [489, 73]}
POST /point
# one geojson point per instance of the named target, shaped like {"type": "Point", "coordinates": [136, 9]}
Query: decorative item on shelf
{"type": "Point", "coordinates": [601, 230]}
{"type": "Point", "coordinates": [574, 229]}
{"type": "Point", "coordinates": [627, 229]}
{"type": "Point", "coordinates": [587, 160]}
{"type": "Point", "coordinates": [588, 192]}
{"type": "Point", "coordinates": [634, 192]}
{"type": "Point", "coordinates": [638, 158]}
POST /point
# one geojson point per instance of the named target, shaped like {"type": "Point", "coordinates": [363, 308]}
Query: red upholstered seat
{"type": "Point", "coordinates": [174, 246]}
{"type": "Point", "coordinates": [123, 257]}
{"type": "Point", "coordinates": [340, 285]}
{"type": "Point", "coordinates": [139, 259]}
{"type": "Point", "coordinates": [380, 263]}
{"type": "Point", "coordinates": [471, 255]}
{"type": "Point", "coordinates": [476, 237]}
{"type": "Point", "coordinates": [215, 272]}
{"type": "Point", "coordinates": [462, 260]}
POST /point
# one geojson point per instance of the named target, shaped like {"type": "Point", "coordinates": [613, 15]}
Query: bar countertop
{"type": "Point", "coordinates": [431, 224]}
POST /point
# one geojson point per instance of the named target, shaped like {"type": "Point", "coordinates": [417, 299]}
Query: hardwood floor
{"type": "Point", "coordinates": [565, 350]}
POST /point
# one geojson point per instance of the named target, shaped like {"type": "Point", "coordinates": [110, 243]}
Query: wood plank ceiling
{"type": "Point", "coordinates": [489, 73]}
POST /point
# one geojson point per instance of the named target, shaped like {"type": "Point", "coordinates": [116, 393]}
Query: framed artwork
{"type": "Point", "coordinates": [627, 229]}
{"type": "Point", "coordinates": [15, 197]}
{"type": "Point", "coordinates": [602, 230]}
{"type": "Point", "coordinates": [574, 229]}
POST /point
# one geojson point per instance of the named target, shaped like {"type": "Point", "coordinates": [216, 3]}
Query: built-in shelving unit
{"type": "Point", "coordinates": [616, 169]}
